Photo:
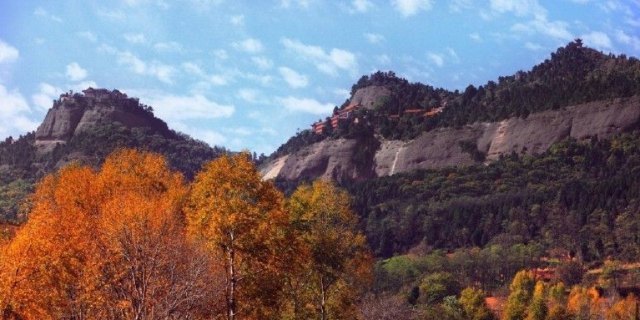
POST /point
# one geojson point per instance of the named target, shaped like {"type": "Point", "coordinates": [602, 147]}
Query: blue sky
{"type": "Point", "coordinates": [249, 74]}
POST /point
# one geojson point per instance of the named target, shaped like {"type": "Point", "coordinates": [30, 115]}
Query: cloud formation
{"type": "Point", "coordinates": [330, 62]}
{"type": "Point", "coordinates": [374, 38]}
{"type": "Point", "coordinates": [306, 105]}
{"type": "Point", "coordinates": [75, 72]}
{"type": "Point", "coordinates": [598, 40]}
{"type": "Point", "coordinates": [158, 70]}
{"type": "Point", "coordinates": [8, 53]}
{"type": "Point", "coordinates": [176, 108]}
{"type": "Point", "coordinates": [15, 113]}
{"type": "Point", "coordinates": [292, 78]}
{"type": "Point", "coordinates": [249, 45]}
{"type": "Point", "coordinates": [411, 7]}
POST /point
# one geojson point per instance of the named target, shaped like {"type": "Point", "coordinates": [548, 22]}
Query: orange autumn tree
{"type": "Point", "coordinates": [156, 273]}
{"type": "Point", "coordinates": [108, 244]}
{"type": "Point", "coordinates": [49, 268]}
{"type": "Point", "coordinates": [339, 263]}
{"type": "Point", "coordinates": [241, 220]}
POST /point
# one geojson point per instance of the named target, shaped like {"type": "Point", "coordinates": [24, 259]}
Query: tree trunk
{"type": "Point", "coordinates": [231, 286]}
{"type": "Point", "coordinates": [323, 307]}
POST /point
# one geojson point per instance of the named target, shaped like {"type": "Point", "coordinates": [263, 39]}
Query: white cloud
{"type": "Point", "coordinates": [75, 72]}
{"type": "Point", "coordinates": [158, 70]}
{"type": "Point", "coordinates": [300, 3]}
{"type": "Point", "coordinates": [328, 62]}
{"type": "Point", "coordinates": [170, 46]}
{"type": "Point", "coordinates": [411, 7]}
{"type": "Point", "coordinates": [436, 59]}
{"type": "Point", "coordinates": [15, 111]}
{"type": "Point", "coordinates": [342, 93]}
{"type": "Point", "coordinates": [84, 85]}
{"type": "Point", "coordinates": [193, 68]}
{"type": "Point", "coordinates": [249, 45]}
{"type": "Point", "coordinates": [8, 53]}
{"type": "Point", "coordinates": [539, 22]}
{"type": "Point", "coordinates": [88, 35]}
{"type": "Point", "coordinates": [262, 62]}
{"type": "Point", "coordinates": [293, 78]}
{"type": "Point", "coordinates": [306, 105]}
{"type": "Point", "coordinates": [475, 37]}
{"type": "Point", "coordinates": [554, 29]}
{"type": "Point", "coordinates": [624, 38]}
{"type": "Point", "coordinates": [374, 37]}
{"type": "Point", "coordinates": [209, 79]}
{"type": "Point", "coordinates": [249, 95]}
{"type": "Point", "coordinates": [41, 12]}
{"type": "Point", "coordinates": [44, 97]}
{"type": "Point", "coordinates": [135, 38]}
{"type": "Point", "coordinates": [518, 7]}
{"type": "Point", "coordinates": [211, 137]}
{"type": "Point", "coordinates": [598, 40]}
{"type": "Point", "coordinates": [237, 20]}
{"type": "Point", "coordinates": [383, 59]}
{"type": "Point", "coordinates": [459, 5]}
{"type": "Point", "coordinates": [218, 79]}
{"type": "Point", "coordinates": [361, 6]}
{"type": "Point", "coordinates": [532, 46]}
{"type": "Point", "coordinates": [263, 80]}
{"type": "Point", "coordinates": [220, 54]}
{"type": "Point", "coordinates": [175, 108]}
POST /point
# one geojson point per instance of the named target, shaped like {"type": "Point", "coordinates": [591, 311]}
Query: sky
{"type": "Point", "coordinates": [247, 75]}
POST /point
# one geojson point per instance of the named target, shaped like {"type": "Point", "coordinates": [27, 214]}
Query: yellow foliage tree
{"type": "Point", "coordinates": [625, 309]}
{"type": "Point", "coordinates": [339, 262]}
{"type": "Point", "coordinates": [241, 219]}
{"type": "Point", "coordinates": [521, 290]}
{"type": "Point", "coordinates": [584, 303]}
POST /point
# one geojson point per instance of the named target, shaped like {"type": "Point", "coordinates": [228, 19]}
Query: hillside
{"type": "Point", "coordinates": [581, 91]}
{"type": "Point", "coordinates": [505, 163]}
{"type": "Point", "coordinates": [86, 127]}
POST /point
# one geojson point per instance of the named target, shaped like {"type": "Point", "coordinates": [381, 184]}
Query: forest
{"type": "Point", "coordinates": [133, 240]}
{"type": "Point", "coordinates": [21, 165]}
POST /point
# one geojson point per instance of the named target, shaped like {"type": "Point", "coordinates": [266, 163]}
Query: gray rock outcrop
{"type": "Point", "coordinates": [441, 147]}
{"type": "Point", "coordinates": [74, 113]}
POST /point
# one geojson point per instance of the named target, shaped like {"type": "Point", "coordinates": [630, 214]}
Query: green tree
{"type": "Point", "coordinates": [474, 305]}
{"type": "Point", "coordinates": [538, 308]}
{"type": "Point", "coordinates": [434, 287]}
{"type": "Point", "coordinates": [520, 294]}
{"type": "Point", "coordinates": [339, 262]}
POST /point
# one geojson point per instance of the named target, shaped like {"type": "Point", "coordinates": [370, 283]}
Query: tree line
{"type": "Point", "coordinates": [132, 240]}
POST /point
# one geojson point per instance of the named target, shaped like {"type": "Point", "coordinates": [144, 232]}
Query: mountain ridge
{"type": "Point", "coordinates": [387, 113]}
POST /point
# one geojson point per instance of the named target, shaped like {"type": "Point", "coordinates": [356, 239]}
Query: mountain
{"type": "Point", "coordinates": [86, 127]}
{"type": "Point", "coordinates": [390, 126]}
{"type": "Point", "coordinates": [546, 159]}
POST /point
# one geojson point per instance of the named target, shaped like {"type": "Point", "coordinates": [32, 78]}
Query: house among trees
{"type": "Point", "coordinates": [344, 114]}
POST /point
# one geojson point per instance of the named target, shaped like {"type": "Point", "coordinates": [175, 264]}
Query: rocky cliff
{"type": "Point", "coordinates": [443, 147]}
{"type": "Point", "coordinates": [73, 113]}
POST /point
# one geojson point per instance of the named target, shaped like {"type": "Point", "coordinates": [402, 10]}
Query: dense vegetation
{"type": "Point", "coordinates": [582, 197]}
{"type": "Point", "coordinates": [132, 240]}
{"type": "Point", "coordinates": [21, 165]}
{"type": "Point", "coordinates": [574, 74]}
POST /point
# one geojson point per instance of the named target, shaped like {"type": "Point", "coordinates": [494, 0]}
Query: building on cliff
{"type": "Point", "coordinates": [344, 114]}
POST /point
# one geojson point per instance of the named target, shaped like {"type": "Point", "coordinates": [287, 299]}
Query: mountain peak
{"type": "Point", "coordinates": [73, 112]}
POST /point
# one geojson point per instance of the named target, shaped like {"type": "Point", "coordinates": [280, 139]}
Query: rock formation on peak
{"type": "Point", "coordinates": [73, 113]}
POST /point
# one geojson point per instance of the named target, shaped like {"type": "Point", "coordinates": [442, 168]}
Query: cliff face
{"type": "Point", "coordinates": [442, 147]}
{"type": "Point", "coordinates": [73, 113]}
